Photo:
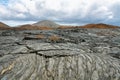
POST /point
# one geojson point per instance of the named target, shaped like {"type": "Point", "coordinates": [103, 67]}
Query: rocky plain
{"type": "Point", "coordinates": [62, 53]}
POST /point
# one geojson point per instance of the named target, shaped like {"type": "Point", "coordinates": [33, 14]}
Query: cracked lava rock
{"type": "Point", "coordinates": [82, 54]}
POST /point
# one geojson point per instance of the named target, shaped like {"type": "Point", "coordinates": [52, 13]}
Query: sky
{"type": "Point", "coordinates": [71, 12]}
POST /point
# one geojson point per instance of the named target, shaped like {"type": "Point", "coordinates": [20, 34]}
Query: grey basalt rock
{"type": "Point", "coordinates": [57, 66]}
{"type": "Point", "coordinates": [74, 59]}
{"type": "Point", "coordinates": [9, 33]}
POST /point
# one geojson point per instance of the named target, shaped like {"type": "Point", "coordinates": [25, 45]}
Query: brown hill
{"type": "Point", "coordinates": [44, 27]}
{"type": "Point", "coordinates": [32, 27]}
{"type": "Point", "coordinates": [41, 25]}
{"type": "Point", "coordinates": [3, 26]}
{"type": "Point", "coordinates": [25, 27]}
{"type": "Point", "coordinates": [100, 26]}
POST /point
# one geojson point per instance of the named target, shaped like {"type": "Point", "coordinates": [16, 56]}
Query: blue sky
{"type": "Point", "coordinates": [3, 1]}
{"type": "Point", "coordinates": [72, 12]}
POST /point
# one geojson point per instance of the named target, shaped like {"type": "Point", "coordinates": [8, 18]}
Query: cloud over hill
{"type": "Point", "coordinates": [63, 11]}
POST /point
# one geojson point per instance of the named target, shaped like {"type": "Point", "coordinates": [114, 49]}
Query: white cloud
{"type": "Point", "coordinates": [18, 7]}
{"type": "Point", "coordinates": [20, 15]}
{"type": "Point", "coordinates": [3, 11]}
{"type": "Point", "coordinates": [67, 11]}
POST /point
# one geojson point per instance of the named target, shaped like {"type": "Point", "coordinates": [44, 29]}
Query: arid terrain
{"type": "Point", "coordinates": [48, 51]}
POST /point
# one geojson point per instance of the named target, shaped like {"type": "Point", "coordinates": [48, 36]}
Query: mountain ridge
{"type": "Point", "coordinates": [4, 26]}
{"type": "Point", "coordinates": [48, 25]}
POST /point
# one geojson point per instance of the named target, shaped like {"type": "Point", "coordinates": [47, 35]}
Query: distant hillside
{"type": "Point", "coordinates": [100, 26]}
{"type": "Point", "coordinates": [45, 27]}
{"type": "Point", "coordinates": [50, 25]}
{"type": "Point", "coordinates": [3, 26]}
{"type": "Point", "coordinates": [31, 27]}
{"type": "Point", "coordinates": [46, 23]}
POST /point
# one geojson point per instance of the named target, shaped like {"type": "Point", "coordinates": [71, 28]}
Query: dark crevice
{"type": "Point", "coordinates": [56, 55]}
{"type": "Point", "coordinates": [45, 55]}
{"type": "Point", "coordinates": [48, 50]}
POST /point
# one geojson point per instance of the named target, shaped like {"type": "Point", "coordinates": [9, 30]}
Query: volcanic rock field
{"type": "Point", "coordinates": [60, 54]}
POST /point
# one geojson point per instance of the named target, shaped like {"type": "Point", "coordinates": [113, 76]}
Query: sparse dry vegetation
{"type": "Point", "coordinates": [45, 28]}
{"type": "Point", "coordinates": [100, 26]}
{"type": "Point", "coordinates": [65, 27]}
{"type": "Point", "coordinates": [54, 38]}
{"type": "Point", "coordinates": [40, 36]}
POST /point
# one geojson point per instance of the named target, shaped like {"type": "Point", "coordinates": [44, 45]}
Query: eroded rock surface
{"type": "Point", "coordinates": [80, 54]}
